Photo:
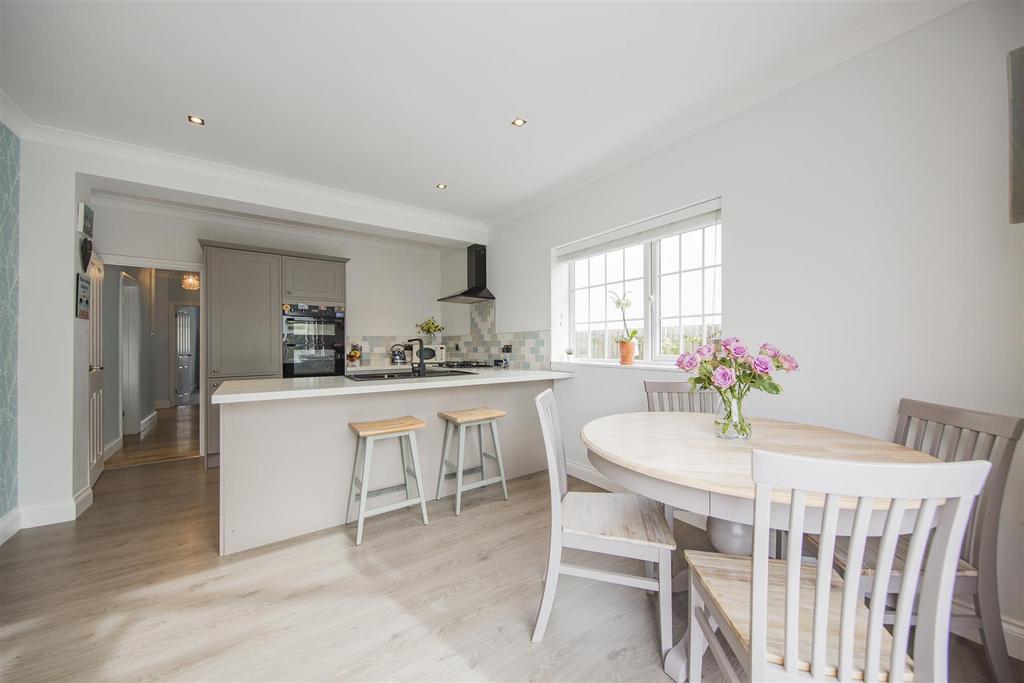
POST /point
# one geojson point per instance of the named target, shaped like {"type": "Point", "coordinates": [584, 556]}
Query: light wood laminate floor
{"type": "Point", "coordinates": [175, 436]}
{"type": "Point", "coordinates": [135, 590]}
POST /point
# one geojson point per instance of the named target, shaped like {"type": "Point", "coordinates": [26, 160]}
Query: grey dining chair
{"type": "Point", "coordinates": [955, 435]}
{"type": "Point", "coordinates": [787, 620]}
{"type": "Point", "coordinates": [670, 395]}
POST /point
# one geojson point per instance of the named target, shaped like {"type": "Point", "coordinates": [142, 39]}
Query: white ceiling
{"type": "Point", "coordinates": [387, 99]}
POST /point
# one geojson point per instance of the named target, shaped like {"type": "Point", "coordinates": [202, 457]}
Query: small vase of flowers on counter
{"type": "Point", "coordinates": [430, 328]}
{"type": "Point", "coordinates": [729, 368]}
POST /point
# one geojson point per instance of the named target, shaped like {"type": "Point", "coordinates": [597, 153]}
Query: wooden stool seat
{"type": "Point", "coordinates": [390, 426]}
{"type": "Point", "coordinates": [456, 422]}
{"type": "Point", "coordinates": [369, 434]}
{"type": "Point", "coordinates": [472, 415]}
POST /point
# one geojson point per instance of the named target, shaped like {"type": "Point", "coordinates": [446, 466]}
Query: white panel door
{"type": "Point", "coordinates": [95, 370]}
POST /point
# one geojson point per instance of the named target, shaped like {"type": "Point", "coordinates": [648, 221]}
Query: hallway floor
{"type": "Point", "coordinates": [175, 436]}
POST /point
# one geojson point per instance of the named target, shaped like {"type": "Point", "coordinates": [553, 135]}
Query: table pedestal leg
{"type": "Point", "coordinates": [681, 582]}
{"type": "Point", "coordinates": [676, 661]}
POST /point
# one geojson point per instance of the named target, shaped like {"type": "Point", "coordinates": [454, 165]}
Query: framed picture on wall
{"type": "Point", "coordinates": [85, 219]}
{"type": "Point", "coordinates": [82, 292]}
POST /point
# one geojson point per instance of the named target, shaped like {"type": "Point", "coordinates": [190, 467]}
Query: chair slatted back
{"type": "Point", "coordinates": [663, 396]}
{"type": "Point", "coordinates": [861, 500]}
{"type": "Point", "coordinates": [956, 435]}
{"type": "Point", "coordinates": [554, 448]}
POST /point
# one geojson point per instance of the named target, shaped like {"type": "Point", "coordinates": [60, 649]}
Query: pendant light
{"type": "Point", "coordinates": [190, 281]}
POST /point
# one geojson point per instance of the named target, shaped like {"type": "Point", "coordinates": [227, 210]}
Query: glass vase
{"type": "Point", "coordinates": [730, 424]}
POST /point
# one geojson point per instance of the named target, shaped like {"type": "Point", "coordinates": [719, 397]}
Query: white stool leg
{"type": "Point", "coordinates": [406, 465]}
{"type": "Point", "coordinates": [480, 440]}
{"type": "Point", "coordinates": [448, 429]}
{"type": "Point", "coordinates": [365, 489]}
{"type": "Point", "coordinates": [458, 472]}
{"type": "Point", "coordinates": [497, 454]}
{"type": "Point", "coordinates": [355, 472]}
{"type": "Point", "coordinates": [415, 456]}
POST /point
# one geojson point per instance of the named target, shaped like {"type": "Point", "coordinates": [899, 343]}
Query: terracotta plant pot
{"type": "Point", "coordinates": [627, 350]}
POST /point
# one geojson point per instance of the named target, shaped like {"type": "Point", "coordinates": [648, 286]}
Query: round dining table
{"type": "Point", "coordinates": [676, 458]}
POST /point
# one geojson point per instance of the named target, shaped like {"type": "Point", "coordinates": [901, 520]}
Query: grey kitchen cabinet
{"type": "Point", "coordinates": [309, 279]}
{"type": "Point", "coordinates": [212, 418]}
{"type": "Point", "coordinates": [243, 300]}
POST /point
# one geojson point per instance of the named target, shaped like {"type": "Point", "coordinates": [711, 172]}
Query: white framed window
{"type": "Point", "coordinates": [669, 267]}
{"type": "Point", "coordinates": [688, 294]}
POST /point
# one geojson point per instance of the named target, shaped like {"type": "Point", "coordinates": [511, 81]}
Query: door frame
{"type": "Point", "coordinates": [184, 266]}
{"type": "Point", "coordinates": [122, 332]}
{"type": "Point", "coordinates": [172, 350]}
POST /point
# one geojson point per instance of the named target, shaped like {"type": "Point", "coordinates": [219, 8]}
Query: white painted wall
{"type": "Point", "coordinates": [865, 230]}
{"type": "Point", "coordinates": [389, 287]}
{"type": "Point", "coordinates": [58, 170]}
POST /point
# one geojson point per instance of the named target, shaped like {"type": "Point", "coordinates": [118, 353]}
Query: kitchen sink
{"type": "Point", "coordinates": [366, 376]}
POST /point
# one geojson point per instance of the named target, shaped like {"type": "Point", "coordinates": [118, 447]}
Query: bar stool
{"type": "Point", "coordinates": [463, 420]}
{"type": "Point", "coordinates": [369, 433]}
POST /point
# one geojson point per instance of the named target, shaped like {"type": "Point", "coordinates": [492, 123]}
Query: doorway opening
{"type": "Point", "coordinates": [157, 356]}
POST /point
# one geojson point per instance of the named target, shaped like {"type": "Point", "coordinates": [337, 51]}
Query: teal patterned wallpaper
{"type": "Point", "coordinates": [10, 178]}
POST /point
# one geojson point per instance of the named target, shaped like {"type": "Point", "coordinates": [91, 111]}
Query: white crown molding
{"type": "Point", "coordinates": [254, 222]}
{"type": "Point", "coordinates": [16, 119]}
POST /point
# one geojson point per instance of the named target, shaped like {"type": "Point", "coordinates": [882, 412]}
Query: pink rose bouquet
{"type": "Point", "coordinates": [728, 368]}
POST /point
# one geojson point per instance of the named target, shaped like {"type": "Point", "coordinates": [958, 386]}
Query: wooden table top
{"type": "Point", "coordinates": [681, 448]}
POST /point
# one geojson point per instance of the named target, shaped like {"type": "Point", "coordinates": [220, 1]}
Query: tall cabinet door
{"type": "Point", "coordinates": [244, 316]}
{"type": "Point", "coordinates": [308, 279]}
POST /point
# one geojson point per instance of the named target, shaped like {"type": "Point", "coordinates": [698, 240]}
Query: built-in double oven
{"type": "Point", "coordinates": [314, 340]}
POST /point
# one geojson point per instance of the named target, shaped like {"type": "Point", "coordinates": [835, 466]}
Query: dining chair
{"type": "Point", "coordinates": [953, 435]}
{"type": "Point", "coordinates": [789, 620]}
{"type": "Point", "coordinates": [671, 395]}
{"type": "Point", "coordinates": [619, 524]}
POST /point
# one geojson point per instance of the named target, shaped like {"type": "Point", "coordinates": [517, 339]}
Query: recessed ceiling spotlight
{"type": "Point", "coordinates": [196, 120]}
{"type": "Point", "coordinates": [518, 123]}
{"type": "Point", "coordinates": [441, 186]}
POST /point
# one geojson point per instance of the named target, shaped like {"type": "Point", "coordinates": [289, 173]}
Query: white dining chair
{"type": "Point", "coordinates": [955, 434]}
{"type": "Point", "coordinates": [787, 620]}
{"type": "Point", "coordinates": [620, 524]}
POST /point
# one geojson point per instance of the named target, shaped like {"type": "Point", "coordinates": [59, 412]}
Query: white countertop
{"type": "Point", "coordinates": [276, 389]}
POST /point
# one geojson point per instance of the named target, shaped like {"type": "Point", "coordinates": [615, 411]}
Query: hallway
{"type": "Point", "coordinates": [175, 436]}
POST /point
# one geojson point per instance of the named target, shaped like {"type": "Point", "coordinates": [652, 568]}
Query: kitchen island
{"type": "Point", "coordinates": [286, 450]}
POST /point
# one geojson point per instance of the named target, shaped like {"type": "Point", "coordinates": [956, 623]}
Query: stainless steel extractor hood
{"type": "Point", "coordinates": [476, 276]}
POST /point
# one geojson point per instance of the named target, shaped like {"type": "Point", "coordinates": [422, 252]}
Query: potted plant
{"type": "Point", "coordinates": [431, 328]}
{"type": "Point", "coordinates": [626, 341]}
{"type": "Point", "coordinates": [729, 369]}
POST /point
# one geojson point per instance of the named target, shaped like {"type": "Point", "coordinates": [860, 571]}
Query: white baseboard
{"type": "Point", "coordinates": [59, 511]}
{"type": "Point", "coordinates": [42, 514]}
{"type": "Point", "coordinates": [83, 500]}
{"type": "Point", "coordinates": [160, 405]}
{"type": "Point", "coordinates": [10, 524]}
{"type": "Point", "coordinates": [148, 422]}
{"type": "Point", "coordinates": [113, 446]}
{"type": "Point", "coordinates": [1012, 628]}
{"type": "Point", "coordinates": [592, 476]}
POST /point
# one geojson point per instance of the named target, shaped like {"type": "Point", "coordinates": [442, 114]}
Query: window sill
{"type": "Point", "coordinates": [647, 365]}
